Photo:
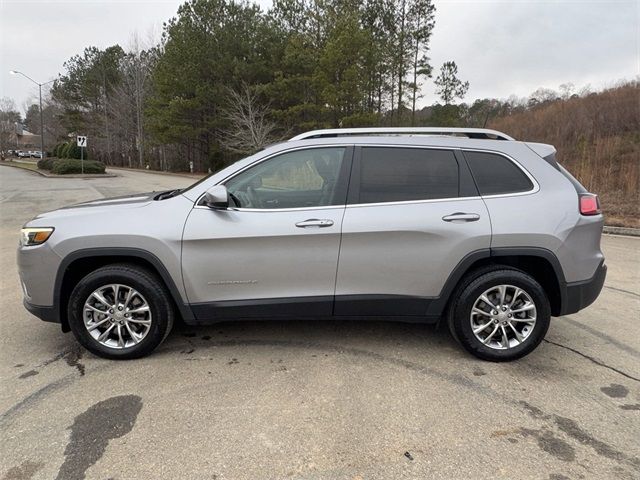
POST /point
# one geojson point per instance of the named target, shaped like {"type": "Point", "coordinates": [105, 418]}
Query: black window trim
{"type": "Point", "coordinates": [343, 178]}
{"type": "Point", "coordinates": [535, 186]}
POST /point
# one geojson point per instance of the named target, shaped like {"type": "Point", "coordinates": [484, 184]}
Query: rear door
{"type": "Point", "coordinates": [413, 213]}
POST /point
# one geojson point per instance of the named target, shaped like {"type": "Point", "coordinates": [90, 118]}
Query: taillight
{"type": "Point", "coordinates": [589, 204]}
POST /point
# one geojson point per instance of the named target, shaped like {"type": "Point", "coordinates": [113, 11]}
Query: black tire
{"type": "Point", "coordinates": [470, 290]}
{"type": "Point", "coordinates": [142, 280]}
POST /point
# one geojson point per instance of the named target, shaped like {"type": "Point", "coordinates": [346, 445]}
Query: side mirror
{"type": "Point", "coordinates": [217, 197]}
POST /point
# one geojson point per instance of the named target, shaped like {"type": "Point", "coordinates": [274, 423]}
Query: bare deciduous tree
{"type": "Point", "coordinates": [8, 117]}
{"type": "Point", "coordinates": [249, 128]}
{"type": "Point", "coordinates": [136, 73]}
{"type": "Point", "coordinates": [566, 90]}
{"type": "Point", "coordinates": [127, 101]}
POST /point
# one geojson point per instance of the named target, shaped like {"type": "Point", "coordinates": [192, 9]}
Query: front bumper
{"type": "Point", "coordinates": [47, 314]}
{"type": "Point", "coordinates": [37, 269]}
{"type": "Point", "coordinates": [579, 295]}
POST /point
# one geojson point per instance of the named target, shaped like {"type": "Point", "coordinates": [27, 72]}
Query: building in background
{"type": "Point", "coordinates": [21, 139]}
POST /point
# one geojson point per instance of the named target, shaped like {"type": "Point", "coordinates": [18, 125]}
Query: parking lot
{"type": "Point", "coordinates": [312, 400]}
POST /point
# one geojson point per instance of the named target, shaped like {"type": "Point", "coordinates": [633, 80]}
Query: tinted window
{"type": "Point", "coordinates": [303, 178]}
{"type": "Point", "coordinates": [495, 174]}
{"type": "Point", "coordinates": [400, 174]}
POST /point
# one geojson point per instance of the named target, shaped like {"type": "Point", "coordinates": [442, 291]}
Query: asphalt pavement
{"type": "Point", "coordinates": [313, 400]}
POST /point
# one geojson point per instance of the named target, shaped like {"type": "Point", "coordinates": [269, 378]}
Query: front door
{"type": "Point", "coordinates": [275, 252]}
{"type": "Point", "coordinates": [413, 214]}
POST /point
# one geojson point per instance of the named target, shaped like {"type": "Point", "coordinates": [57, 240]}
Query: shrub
{"type": "Point", "coordinates": [73, 151]}
{"type": "Point", "coordinates": [72, 165]}
{"type": "Point", "coordinates": [57, 150]}
{"type": "Point", "coordinates": [64, 151]}
{"type": "Point", "coordinates": [45, 163]}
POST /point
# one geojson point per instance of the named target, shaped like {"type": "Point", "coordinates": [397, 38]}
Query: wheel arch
{"type": "Point", "coordinates": [540, 263]}
{"type": "Point", "coordinates": [81, 262]}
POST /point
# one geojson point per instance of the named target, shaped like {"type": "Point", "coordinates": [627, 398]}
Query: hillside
{"type": "Point", "coordinates": [598, 139]}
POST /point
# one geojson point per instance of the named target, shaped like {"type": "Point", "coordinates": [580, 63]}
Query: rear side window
{"type": "Point", "coordinates": [495, 174]}
{"type": "Point", "coordinates": [390, 174]}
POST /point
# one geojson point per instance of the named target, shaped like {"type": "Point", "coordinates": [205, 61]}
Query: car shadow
{"type": "Point", "coordinates": [363, 334]}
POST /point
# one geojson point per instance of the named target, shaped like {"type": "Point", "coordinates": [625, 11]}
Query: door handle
{"type": "Point", "coordinates": [461, 217]}
{"type": "Point", "coordinates": [314, 222]}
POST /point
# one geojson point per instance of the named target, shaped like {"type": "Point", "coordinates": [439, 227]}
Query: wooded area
{"type": "Point", "coordinates": [597, 136]}
{"type": "Point", "coordinates": [225, 70]}
{"type": "Point", "coordinates": [227, 79]}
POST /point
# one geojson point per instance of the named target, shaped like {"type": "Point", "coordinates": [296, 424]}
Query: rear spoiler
{"type": "Point", "coordinates": [546, 151]}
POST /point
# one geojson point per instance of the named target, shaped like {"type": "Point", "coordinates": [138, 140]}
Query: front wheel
{"type": "Point", "coordinates": [120, 312]}
{"type": "Point", "coordinates": [500, 315]}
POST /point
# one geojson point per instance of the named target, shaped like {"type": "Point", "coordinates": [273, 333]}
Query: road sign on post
{"type": "Point", "coordinates": [82, 142]}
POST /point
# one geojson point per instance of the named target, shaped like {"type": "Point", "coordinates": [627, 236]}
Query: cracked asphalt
{"type": "Point", "coordinates": [314, 400]}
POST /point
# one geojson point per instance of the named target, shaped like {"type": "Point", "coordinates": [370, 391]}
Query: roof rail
{"type": "Point", "coordinates": [482, 133]}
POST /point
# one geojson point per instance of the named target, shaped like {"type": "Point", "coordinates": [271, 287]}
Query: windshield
{"type": "Point", "coordinates": [195, 184]}
{"type": "Point", "coordinates": [206, 177]}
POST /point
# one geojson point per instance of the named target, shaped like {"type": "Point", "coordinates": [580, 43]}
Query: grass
{"type": "Point", "coordinates": [24, 165]}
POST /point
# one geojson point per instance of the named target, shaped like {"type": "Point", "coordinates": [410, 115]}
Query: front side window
{"type": "Point", "coordinates": [495, 174]}
{"type": "Point", "coordinates": [298, 179]}
{"type": "Point", "coordinates": [389, 174]}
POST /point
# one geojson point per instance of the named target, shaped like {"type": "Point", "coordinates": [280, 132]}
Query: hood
{"type": "Point", "coordinates": [122, 200]}
{"type": "Point", "coordinates": [102, 206]}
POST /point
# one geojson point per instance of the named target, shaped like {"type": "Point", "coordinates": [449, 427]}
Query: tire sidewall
{"type": "Point", "coordinates": [472, 292]}
{"type": "Point", "coordinates": [148, 289]}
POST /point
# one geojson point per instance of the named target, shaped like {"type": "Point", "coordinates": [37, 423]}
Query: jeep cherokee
{"type": "Point", "coordinates": [468, 226]}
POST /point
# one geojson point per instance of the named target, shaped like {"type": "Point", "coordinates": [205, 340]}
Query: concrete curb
{"type": "Point", "coordinates": [632, 232]}
{"type": "Point", "coordinates": [72, 175]}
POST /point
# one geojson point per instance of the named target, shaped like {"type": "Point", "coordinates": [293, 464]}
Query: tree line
{"type": "Point", "coordinates": [227, 78]}
{"type": "Point", "coordinates": [597, 135]}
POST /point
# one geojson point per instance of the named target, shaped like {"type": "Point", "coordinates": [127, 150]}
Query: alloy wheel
{"type": "Point", "coordinates": [117, 316]}
{"type": "Point", "coordinates": [503, 317]}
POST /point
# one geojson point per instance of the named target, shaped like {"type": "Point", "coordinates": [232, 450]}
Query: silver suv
{"type": "Point", "coordinates": [468, 226]}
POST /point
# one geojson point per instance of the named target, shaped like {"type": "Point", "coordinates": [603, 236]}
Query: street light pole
{"type": "Point", "coordinates": [42, 153]}
{"type": "Point", "coordinates": [15, 72]}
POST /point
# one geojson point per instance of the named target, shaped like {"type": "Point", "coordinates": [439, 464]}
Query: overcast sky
{"type": "Point", "coordinates": [501, 47]}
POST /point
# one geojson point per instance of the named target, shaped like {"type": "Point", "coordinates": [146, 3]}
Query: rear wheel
{"type": "Point", "coordinates": [120, 312]}
{"type": "Point", "coordinates": [500, 314]}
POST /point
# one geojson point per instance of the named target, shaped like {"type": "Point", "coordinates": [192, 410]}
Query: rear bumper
{"type": "Point", "coordinates": [579, 295]}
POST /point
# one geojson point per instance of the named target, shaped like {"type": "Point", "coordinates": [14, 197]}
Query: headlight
{"type": "Point", "coordinates": [35, 236]}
